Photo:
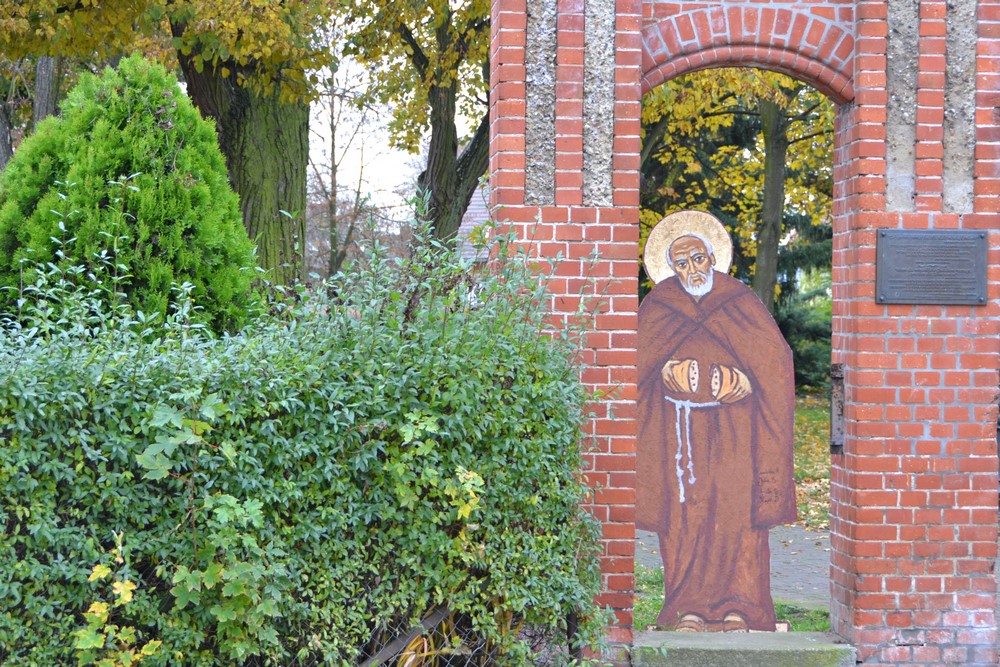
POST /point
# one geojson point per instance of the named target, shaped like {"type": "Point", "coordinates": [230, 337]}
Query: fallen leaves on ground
{"type": "Point", "coordinates": [812, 460]}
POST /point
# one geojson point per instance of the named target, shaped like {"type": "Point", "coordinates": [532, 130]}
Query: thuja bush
{"type": "Point", "coordinates": [304, 491]}
{"type": "Point", "coordinates": [129, 168]}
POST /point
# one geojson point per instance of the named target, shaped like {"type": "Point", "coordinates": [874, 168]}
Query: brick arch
{"type": "Point", "coordinates": [806, 46]}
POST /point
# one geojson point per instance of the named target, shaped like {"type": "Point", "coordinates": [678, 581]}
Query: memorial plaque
{"type": "Point", "coordinates": [945, 267]}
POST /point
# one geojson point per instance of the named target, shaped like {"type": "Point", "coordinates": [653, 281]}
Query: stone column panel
{"type": "Point", "coordinates": [599, 103]}
{"type": "Point", "coordinates": [901, 82]}
{"type": "Point", "coordinates": [960, 107]}
{"type": "Point", "coordinates": [540, 91]}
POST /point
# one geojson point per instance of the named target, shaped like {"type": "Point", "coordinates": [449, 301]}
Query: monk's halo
{"type": "Point", "coordinates": [681, 223]}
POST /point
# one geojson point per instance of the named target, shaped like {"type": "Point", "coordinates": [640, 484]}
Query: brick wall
{"type": "Point", "coordinates": [914, 495]}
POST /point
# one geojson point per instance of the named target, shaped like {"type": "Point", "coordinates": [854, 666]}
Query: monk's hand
{"type": "Point", "coordinates": [729, 384]}
{"type": "Point", "coordinates": [681, 376]}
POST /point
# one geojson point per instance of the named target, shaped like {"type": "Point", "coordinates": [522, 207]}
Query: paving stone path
{"type": "Point", "coordinates": [800, 563]}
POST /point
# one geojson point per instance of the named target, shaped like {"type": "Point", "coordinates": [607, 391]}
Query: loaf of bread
{"type": "Point", "coordinates": [728, 384]}
{"type": "Point", "coordinates": [686, 375]}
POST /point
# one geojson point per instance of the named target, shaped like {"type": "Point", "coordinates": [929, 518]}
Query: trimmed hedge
{"type": "Point", "coordinates": [291, 493]}
{"type": "Point", "coordinates": [132, 170]}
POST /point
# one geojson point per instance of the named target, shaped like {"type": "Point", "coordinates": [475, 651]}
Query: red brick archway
{"type": "Point", "coordinates": [803, 45]}
{"type": "Point", "coordinates": [914, 493]}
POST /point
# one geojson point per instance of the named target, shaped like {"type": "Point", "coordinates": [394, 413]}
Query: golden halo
{"type": "Point", "coordinates": [679, 224]}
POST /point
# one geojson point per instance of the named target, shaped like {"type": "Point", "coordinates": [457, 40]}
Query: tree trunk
{"type": "Point", "coordinates": [47, 76]}
{"type": "Point", "coordinates": [774, 126]}
{"type": "Point", "coordinates": [6, 145]}
{"type": "Point", "coordinates": [266, 145]}
{"type": "Point", "coordinates": [331, 202]}
{"type": "Point", "coordinates": [451, 179]}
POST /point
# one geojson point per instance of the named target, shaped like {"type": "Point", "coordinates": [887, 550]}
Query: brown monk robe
{"type": "Point", "coordinates": [714, 463]}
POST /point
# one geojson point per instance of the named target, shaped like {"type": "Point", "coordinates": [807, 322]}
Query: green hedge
{"type": "Point", "coordinates": [277, 496]}
{"type": "Point", "coordinates": [129, 168]}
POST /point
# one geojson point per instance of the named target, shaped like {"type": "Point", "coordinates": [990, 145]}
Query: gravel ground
{"type": "Point", "coordinates": [800, 563]}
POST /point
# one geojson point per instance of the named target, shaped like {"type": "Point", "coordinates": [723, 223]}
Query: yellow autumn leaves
{"type": "Point", "coordinates": [695, 129]}
{"type": "Point", "coordinates": [268, 46]}
{"type": "Point", "coordinates": [101, 642]}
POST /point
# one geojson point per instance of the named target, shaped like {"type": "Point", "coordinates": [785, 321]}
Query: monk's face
{"type": "Point", "coordinates": [693, 264]}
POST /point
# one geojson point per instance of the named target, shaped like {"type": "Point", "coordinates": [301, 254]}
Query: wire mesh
{"type": "Point", "coordinates": [446, 639]}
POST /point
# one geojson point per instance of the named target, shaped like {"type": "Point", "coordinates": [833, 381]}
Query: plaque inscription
{"type": "Point", "coordinates": [946, 267]}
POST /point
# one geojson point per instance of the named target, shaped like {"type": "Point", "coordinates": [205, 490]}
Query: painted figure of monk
{"type": "Point", "coordinates": [715, 451]}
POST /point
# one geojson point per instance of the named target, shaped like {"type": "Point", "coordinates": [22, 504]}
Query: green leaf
{"type": "Point", "coordinates": [164, 415]}
{"type": "Point", "coordinates": [213, 575]}
{"type": "Point", "coordinates": [157, 465]}
{"type": "Point", "coordinates": [234, 588]}
{"type": "Point", "coordinates": [213, 408]}
{"type": "Point", "coordinates": [226, 613]}
{"type": "Point", "coordinates": [185, 596]}
{"type": "Point", "coordinates": [252, 510]}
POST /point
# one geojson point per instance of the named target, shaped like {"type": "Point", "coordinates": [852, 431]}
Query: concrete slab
{"type": "Point", "coordinates": [764, 649]}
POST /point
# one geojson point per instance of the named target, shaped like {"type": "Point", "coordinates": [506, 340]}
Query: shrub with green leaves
{"type": "Point", "coordinates": [129, 168]}
{"type": "Point", "coordinates": [302, 491]}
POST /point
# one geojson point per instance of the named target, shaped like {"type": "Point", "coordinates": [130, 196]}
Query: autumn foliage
{"type": "Point", "coordinates": [430, 64]}
{"type": "Point", "coordinates": [753, 147]}
{"type": "Point", "coordinates": [267, 45]}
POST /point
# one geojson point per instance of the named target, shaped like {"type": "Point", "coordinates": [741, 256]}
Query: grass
{"type": "Point", "coordinates": [648, 596]}
{"type": "Point", "coordinates": [812, 490]}
{"type": "Point", "coordinates": [802, 619]}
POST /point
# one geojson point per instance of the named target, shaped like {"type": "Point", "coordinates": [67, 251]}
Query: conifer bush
{"type": "Point", "coordinates": [303, 491]}
{"type": "Point", "coordinates": [129, 169]}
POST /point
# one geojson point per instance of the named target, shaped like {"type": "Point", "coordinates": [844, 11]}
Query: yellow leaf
{"type": "Point", "coordinates": [151, 647]}
{"type": "Point", "coordinates": [123, 589]}
{"type": "Point", "coordinates": [98, 612]}
{"type": "Point", "coordinates": [99, 572]}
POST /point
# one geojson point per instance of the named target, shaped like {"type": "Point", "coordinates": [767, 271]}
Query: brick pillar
{"type": "Point", "coordinates": [914, 495]}
{"type": "Point", "coordinates": [564, 173]}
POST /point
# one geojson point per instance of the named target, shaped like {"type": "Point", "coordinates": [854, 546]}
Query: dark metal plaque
{"type": "Point", "coordinates": [836, 408]}
{"type": "Point", "coordinates": [931, 267]}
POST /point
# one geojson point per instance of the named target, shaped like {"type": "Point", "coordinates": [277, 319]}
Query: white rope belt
{"type": "Point", "coordinates": [682, 412]}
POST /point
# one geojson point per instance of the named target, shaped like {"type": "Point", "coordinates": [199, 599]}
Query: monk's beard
{"type": "Point", "coordinates": [702, 289]}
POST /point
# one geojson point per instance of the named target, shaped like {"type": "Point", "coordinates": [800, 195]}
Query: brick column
{"type": "Point", "coordinates": [914, 495]}
{"type": "Point", "coordinates": [508, 74]}
{"type": "Point", "coordinates": [596, 241]}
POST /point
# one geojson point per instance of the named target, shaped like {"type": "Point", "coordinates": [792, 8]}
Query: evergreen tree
{"type": "Point", "coordinates": [131, 172]}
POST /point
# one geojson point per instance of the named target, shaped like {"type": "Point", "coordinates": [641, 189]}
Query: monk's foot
{"type": "Point", "coordinates": [734, 622]}
{"type": "Point", "coordinates": [690, 623]}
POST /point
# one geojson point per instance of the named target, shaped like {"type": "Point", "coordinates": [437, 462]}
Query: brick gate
{"type": "Point", "coordinates": [914, 493]}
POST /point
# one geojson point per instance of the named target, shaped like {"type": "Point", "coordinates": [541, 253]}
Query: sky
{"type": "Point", "coordinates": [367, 163]}
{"type": "Point", "coordinates": [386, 174]}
